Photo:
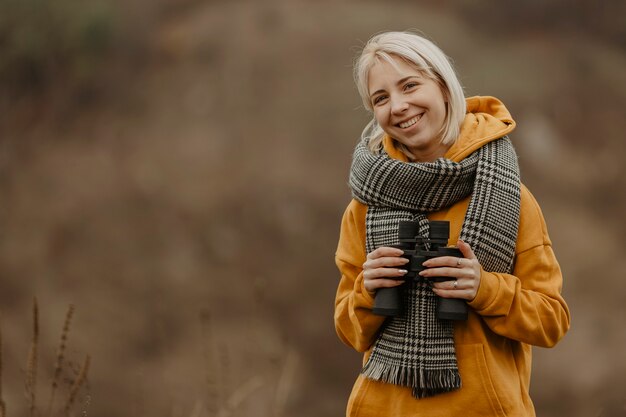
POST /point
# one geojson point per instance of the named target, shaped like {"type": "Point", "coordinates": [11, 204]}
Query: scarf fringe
{"type": "Point", "coordinates": [424, 383]}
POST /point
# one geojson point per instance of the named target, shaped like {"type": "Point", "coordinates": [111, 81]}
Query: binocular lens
{"type": "Point", "coordinates": [408, 229]}
{"type": "Point", "coordinates": [439, 229]}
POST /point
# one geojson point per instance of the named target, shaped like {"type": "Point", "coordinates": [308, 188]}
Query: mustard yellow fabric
{"type": "Point", "coordinates": [510, 313]}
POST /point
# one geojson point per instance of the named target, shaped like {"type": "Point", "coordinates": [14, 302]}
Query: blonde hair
{"type": "Point", "coordinates": [429, 60]}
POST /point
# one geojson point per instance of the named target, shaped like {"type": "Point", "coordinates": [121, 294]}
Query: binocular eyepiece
{"type": "Point", "coordinates": [418, 249]}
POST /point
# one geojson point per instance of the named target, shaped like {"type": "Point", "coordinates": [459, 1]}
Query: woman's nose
{"type": "Point", "coordinates": [399, 105]}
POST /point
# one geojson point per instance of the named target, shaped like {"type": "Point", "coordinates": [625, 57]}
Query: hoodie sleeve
{"type": "Point", "coordinates": [355, 323]}
{"type": "Point", "coordinates": [527, 305]}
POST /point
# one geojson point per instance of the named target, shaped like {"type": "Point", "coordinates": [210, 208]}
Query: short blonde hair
{"type": "Point", "coordinates": [429, 60]}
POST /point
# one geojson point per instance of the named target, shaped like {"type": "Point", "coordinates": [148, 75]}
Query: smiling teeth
{"type": "Point", "coordinates": [411, 122]}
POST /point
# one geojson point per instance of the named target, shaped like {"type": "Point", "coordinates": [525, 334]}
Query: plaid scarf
{"type": "Point", "coordinates": [415, 349]}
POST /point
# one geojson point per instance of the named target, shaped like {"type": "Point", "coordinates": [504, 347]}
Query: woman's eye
{"type": "Point", "coordinates": [408, 86]}
{"type": "Point", "coordinates": [379, 99]}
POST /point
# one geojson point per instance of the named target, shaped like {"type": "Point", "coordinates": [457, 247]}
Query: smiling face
{"type": "Point", "coordinates": [409, 107]}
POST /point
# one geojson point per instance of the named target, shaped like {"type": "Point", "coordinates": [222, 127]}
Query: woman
{"type": "Point", "coordinates": [430, 154]}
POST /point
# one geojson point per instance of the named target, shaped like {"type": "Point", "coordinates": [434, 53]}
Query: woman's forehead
{"type": "Point", "coordinates": [397, 68]}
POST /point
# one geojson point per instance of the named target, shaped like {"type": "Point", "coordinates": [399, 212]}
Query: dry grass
{"type": "Point", "coordinates": [267, 385]}
{"type": "Point", "coordinates": [75, 384]}
{"type": "Point", "coordinates": [3, 409]}
{"type": "Point", "coordinates": [58, 367]}
{"type": "Point", "coordinates": [31, 364]}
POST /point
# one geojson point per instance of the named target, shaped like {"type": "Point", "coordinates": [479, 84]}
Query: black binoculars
{"type": "Point", "coordinates": [418, 249]}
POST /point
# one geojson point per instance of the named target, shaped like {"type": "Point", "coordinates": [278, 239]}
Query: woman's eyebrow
{"type": "Point", "coordinates": [406, 79]}
{"type": "Point", "coordinates": [400, 81]}
{"type": "Point", "coordinates": [376, 92]}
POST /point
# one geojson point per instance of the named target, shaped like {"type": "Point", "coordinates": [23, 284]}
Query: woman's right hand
{"type": "Point", "coordinates": [382, 265]}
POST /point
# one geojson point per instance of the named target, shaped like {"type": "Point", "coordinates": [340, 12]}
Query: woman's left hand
{"type": "Point", "coordinates": [464, 271]}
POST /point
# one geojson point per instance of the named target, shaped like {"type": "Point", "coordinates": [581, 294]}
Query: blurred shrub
{"type": "Point", "coordinates": [42, 40]}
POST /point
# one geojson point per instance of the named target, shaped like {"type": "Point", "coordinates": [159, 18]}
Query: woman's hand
{"type": "Point", "coordinates": [465, 271]}
{"type": "Point", "coordinates": [382, 265]}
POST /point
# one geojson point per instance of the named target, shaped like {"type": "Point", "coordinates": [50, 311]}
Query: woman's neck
{"type": "Point", "coordinates": [427, 155]}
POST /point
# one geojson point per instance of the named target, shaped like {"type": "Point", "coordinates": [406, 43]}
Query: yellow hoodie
{"type": "Point", "coordinates": [510, 312]}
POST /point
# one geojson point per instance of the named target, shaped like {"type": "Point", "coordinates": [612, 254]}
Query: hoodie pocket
{"type": "Point", "coordinates": [475, 375]}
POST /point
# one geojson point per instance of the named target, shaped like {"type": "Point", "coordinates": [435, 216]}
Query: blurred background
{"type": "Point", "coordinates": [177, 170]}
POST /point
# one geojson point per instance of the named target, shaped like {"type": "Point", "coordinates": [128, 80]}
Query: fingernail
{"type": "Point", "coordinates": [402, 271]}
{"type": "Point", "coordinates": [422, 273]}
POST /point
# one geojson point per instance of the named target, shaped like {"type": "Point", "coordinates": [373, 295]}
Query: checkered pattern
{"type": "Point", "coordinates": [416, 349]}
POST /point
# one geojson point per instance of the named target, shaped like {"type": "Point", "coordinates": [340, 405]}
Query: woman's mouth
{"type": "Point", "coordinates": [410, 122]}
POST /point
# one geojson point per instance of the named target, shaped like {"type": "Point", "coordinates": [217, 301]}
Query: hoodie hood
{"type": "Point", "coordinates": [486, 119]}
